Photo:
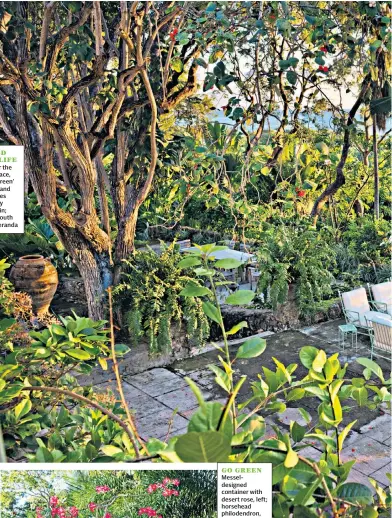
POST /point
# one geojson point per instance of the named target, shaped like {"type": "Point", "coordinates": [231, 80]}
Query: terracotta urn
{"type": "Point", "coordinates": [36, 276]}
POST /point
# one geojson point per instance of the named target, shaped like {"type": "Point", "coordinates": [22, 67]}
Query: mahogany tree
{"type": "Point", "coordinates": [82, 87]}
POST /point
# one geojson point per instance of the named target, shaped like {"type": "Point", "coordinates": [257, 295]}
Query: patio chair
{"type": "Point", "coordinates": [381, 297]}
{"type": "Point", "coordinates": [380, 335]}
{"type": "Point", "coordinates": [356, 309]}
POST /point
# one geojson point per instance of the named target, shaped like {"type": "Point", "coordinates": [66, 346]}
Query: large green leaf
{"type": "Point", "coordinates": [194, 291]}
{"type": "Point", "coordinates": [228, 263]}
{"type": "Point", "coordinates": [212, 312]}
{"type": "Point", "coordinates": [252, 348]}
{"type": "Point", "coordinates": [240, 297]}
{"type": "Point", "coordinates": [79, 354]}
{"type": "Point", "coordinates": [307, 356]}
{"type": "Point", "coordinates": [356, 493]}
{"type": "Point", "coordinates": [187, 262]}
{"type": "Point", "coordinates": [208, 418]}
{"type": "Point", "coordinates": [203, 447]}
{"type": "Point", "coordinates": [373, 366]}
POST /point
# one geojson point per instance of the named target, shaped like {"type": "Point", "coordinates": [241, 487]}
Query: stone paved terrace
{"type": "Point", "coordinates": [163, 402]}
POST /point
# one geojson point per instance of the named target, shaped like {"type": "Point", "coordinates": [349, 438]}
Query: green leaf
{"type": "Point", "coordinates": [319, 361]}
{"type": "Point", "coordinates": [208, 418]}
{"type": "Point", "coordinates": [196, 391]}
{"type": "Point", "coordinates": [201, 62]}
{"type": "Point", "coordinates": [194, 291]}
{"type": "Point", "coordinates": [22, 408]}
{"type": "Point", "coordinates": [292, 77]}
{"type": "Point", "coordinates": [187, 262]}
{"type": "Point", "coordinates": [212, 312]}
{"type": "Point", "coordinates": [369, 512]}
{"type": "Point", "coordinates": [373, 366]}
{"type": "Point", "coordinates": [295, 394]}
{"type": "Point", "coordinates": [305, 414]}
{"type": "Point", "coordinates": [307, 356]}
{"type": "Point", "coordinates": [5, 323]}
{"type": "Point", "coordinates": [240, 297]}
{"type": "Point", "coordinates": [228, 263]}
{"type": "Point", "coordinates": [111, 450]}
{"type": "Point", "coordinates": [203, 447]}
{"type": "Point", "coordinates": [252, 348]}
{"type": "Point", "coordinates": [79, 354]}
{"type": "Point", "coordinates": [355, 493]}
{"type": "Point", "coordinates": [360, 395]}
{"type": "Point", "coordinates": [291, 459]}
{"type": "Point", "coordinates": [297, 432]}
{"type": "Point", "coordinates": [222, 378]}
{"type": "Point", "coordinates": [302, 497]}
{"type": "Point", "coordinates": [237, 327]}
{"type": "Point", "coordinates": [43, 455]}
{"type": "Point", "coordinates": [121, 349]}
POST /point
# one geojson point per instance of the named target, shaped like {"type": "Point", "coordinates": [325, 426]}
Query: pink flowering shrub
{"type": "Point", "coordinates": [167, 488]}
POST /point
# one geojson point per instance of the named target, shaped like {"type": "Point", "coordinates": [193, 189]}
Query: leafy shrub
{"type": "Point", "coordinates": [150, 298]}
{"type": "Point", "coordinates": [365, 249]}
{"type": "Point", "coordinates": [297, 255]}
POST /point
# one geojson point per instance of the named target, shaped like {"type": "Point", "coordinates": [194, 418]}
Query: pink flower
{"type": "Point", "coordinates": [74, 512]}
{"type": "Point", "coordinates": [175, 492]}
{"type": "Point", "coordinates": [107, 515]}
{"type": "Point", "coordinates": [175, 482]}
{"type": "Point", "coordinates": [102, 489]}
{"type": "Point", "coordinates": [92, 506]}
{"type": "Point", "coordinates": [53, 500]}
{"type": "Point", "coordinates": [166, 481]}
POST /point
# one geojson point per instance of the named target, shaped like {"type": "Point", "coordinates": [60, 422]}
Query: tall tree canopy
{"type": "Point", "coordinates": [86, 88]}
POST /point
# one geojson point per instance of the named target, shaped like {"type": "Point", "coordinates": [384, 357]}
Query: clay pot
{"type": "Point", "coordinates": [36, 276]}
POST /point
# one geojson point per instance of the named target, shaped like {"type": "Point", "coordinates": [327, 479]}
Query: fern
{"type": "Point", "coordinates": [150, 298]}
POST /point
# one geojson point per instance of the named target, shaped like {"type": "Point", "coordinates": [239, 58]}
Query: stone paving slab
{"type": "Point", "coordinates": [154, 424]}
{"type": "Point", "coordinates": [156, 381]}
{"type": "Point", "coordinates": [379, 429]}
{"type": "Point", "coordinates": [139, 402]}
{"type": "Point", "coordinates": [370, 455]}
{"type": "Point", "coordinates": [381, 475]}
{"type": "Point", "coordinates": [184, 400]}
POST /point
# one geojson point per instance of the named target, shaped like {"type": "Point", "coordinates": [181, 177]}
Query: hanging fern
{"type": "Point", "coordinates": [149, 296]}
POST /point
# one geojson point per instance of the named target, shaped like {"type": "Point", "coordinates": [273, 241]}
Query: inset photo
{"type": "Point", "coordinates": [108, 494]}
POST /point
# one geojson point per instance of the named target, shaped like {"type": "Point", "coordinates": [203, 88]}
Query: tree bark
{"type": "Point", "coordinates": [340, 178]}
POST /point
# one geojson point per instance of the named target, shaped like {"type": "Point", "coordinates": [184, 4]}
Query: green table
{"type": "Point", "coordinates": [345, 331]}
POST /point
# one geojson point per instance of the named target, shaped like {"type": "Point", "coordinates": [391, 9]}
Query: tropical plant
{"type": "Point", "coordinates": [150, 298]}
{"type": "Point", "coordinates": [298, 255]}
